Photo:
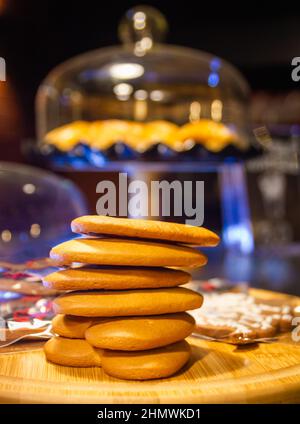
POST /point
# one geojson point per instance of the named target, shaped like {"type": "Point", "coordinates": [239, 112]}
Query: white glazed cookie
{"type": "Point", "coordinates": [240, 318]}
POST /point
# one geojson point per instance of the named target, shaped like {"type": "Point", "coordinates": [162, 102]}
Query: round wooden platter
{"type": "Point", "coordinates": [217, 373]}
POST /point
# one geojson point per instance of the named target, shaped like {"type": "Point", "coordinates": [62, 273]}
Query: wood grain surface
{"type": "Point", "coordinates": [217, 373]}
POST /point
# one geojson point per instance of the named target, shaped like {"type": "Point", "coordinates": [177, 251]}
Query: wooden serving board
{"type": "Point", "coordinates": [217, 373]}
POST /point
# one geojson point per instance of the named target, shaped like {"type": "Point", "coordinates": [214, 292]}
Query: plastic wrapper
{"type": "Point", "coordinates": [25, 305]}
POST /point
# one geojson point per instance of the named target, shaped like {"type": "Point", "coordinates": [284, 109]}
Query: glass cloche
{"type": "Point", "coordinates": [141, 96]}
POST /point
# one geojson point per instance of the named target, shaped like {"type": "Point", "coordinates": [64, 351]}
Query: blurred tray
{"type": "Point", "coordinates": [83, 157]}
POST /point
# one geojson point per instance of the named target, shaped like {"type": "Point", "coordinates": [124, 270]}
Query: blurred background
{"type": "Point", "coordinates": [36, 36]}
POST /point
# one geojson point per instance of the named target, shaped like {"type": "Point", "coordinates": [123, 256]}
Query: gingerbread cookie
{"type": "Point", "coordinates": [115, 278]}
{"type": "Point", "coordinates": [72, 352]}
{"type": "Point", "coordinates": [111, 251]}
{"type": "Point", "coordinates": [140, 333]}
{"type": "Point", "coordinates": [72, 327]}
{"type": "Point", "coordinates": [146, 365]}
{"type": "Point", "coordinates": [147, 229]}
{"type": "Point", "coordinates": [240, 318]}
{"type": "Point", "coordinates": [127, 302]}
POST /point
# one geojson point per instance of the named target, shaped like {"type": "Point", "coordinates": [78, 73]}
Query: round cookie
{"type": "Point", "coordinates": [140, 333]}
{"type": "Point", "coordinates": [127, 302]}
{"type": "Point", "coordinates": [146, 365]}
{"type": "Point", "coordinates": [112, 278]}
{"type": "Point", "coordinates": [71, 326]}
{"type": "Point", "coordinates": [142, 228]}
{"type": "Point", "coordinates": [109, 251]}
{"type": "Point", "coordinates": [72, 352]}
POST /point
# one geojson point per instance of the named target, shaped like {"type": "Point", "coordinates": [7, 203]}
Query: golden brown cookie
{"type": "Point", "coordinates": [72, 352]}
{"type": "Point", "coordinates": [146, 229]}
{"type": "Point", "coordinates": [127, 302]}
{"type": "Point", "coordinates": [215, 136]}
{"type": "Point", "coordinates": [146, 365]}
{"type": "Point", "coordinates": [109, 251]}
{"type": "Point", "coordinates": [140, 333]}
{"type": "Point", "coordinates": [67, 136]}
{"type": "Point", "coordinates": [115, 278]}
{"type": "Point", "coordinates": [71, 326]}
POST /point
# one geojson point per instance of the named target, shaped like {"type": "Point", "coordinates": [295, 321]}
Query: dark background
{"type": "Point", "coordinates": [260, 39]}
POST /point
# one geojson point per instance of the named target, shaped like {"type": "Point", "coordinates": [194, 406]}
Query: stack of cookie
{"type": "Point", "coordinates": [125, 310]}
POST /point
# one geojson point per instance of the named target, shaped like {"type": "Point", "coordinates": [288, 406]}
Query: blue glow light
{"type": "Point", "coordinates": [237, 231]}
{"type": "Point", "coordinates": [239, 236]}
{"type": "Point", "coordinates": [215, 64]}
{"type": "Point", "coordinates": [93, 74]}
{"type": "Point", "coordinates": [6, 295]}
{"type": "Point", "coordinates": [96, 158]}
{"type": "Point", "coordinates": [213, 79]}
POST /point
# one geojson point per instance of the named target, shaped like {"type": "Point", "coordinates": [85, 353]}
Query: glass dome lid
{"type": "Point", "coordinates": [143, 92]}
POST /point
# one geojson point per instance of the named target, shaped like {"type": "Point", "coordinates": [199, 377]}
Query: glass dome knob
{"type": "Point", "coordinates": [141, 27]}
